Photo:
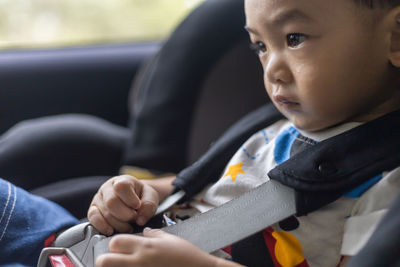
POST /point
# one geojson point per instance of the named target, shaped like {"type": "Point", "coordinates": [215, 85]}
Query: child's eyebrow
{"type": "Point", "coordinates": [250, 30]}
{"type": "Point", "coordinates": [290, 16]}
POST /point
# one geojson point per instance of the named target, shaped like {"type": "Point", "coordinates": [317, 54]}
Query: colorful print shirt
{"type": "Point", "coordinates": [322, 237]}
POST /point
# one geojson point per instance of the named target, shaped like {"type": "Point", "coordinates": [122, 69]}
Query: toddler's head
{"type": "Point", "coordinates": [328, 61]}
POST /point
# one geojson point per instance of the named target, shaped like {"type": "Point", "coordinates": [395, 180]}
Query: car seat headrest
{"type": "Point", "coordinates": [166, 94]}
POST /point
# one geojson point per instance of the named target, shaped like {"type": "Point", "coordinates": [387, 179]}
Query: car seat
{"type": "Point", "coordinates": [203, 79]}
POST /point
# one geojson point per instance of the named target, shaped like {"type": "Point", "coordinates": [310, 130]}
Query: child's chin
{"type": "Point", "coordinates": [301, 120]}
{"type": "Point", "coordinates": [309, 126]}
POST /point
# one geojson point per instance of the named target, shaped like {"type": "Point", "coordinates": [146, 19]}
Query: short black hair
{"type": "Point", "coordinates": [378, 3]}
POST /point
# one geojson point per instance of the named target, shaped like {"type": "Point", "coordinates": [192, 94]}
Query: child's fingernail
{"type": "Point", "coordinates": [141, 221]}
{"type": "Point", "coordinates": [146, 229]}
{"type": "Point", "coordinates": [109, 231]}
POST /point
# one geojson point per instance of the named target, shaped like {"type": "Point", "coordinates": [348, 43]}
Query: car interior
{"type": "Point", "coordinates": [201, 80]}
{"type": "Point", "coordinates": [205, 67]}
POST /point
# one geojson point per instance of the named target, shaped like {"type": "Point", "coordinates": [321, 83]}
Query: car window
{"type": "Point", "coordinates": [49, 23]}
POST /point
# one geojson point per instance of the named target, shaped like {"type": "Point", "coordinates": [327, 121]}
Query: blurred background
{"type": "Point", "coordinates": [61, 23]}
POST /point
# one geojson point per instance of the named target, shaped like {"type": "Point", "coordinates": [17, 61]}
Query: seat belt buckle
{"type": "Point", "coordinates": [58, 257]}
{"type": "Point", "coordinates": [72, 248]}
{"type": "Point", "coordinates": [210, 231]}
{"type": "Point", "coordinates": [76, 246]}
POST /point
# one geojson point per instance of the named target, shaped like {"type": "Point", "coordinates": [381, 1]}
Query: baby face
{"type": "Point", "coordinates": [325, 61]}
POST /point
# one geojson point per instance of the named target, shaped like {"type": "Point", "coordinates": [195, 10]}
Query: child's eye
{"type": "Point", "coordinates": [258, 47]}
{"type": "Point", "coordinates": [295, 39]}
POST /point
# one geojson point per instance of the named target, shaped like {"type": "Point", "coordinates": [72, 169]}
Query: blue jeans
{"type": "Point", "coordinates": [26, 221]}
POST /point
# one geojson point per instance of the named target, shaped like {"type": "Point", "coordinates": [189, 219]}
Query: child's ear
{"type": "Point", "coordinates": [394, 23]}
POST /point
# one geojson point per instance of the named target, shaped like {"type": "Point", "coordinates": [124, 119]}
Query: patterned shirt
{"type": "Point", "coordinates": [322, 237]}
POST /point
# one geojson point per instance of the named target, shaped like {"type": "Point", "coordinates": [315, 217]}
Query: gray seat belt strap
{"type": "Point", "coordinates": [235, 220]}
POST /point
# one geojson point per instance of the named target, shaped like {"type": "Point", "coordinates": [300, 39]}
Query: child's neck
{"type": "Point", "coordinates": [330, 132]}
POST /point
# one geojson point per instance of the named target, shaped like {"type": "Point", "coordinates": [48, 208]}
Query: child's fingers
{"type": "Point", "coordinates": [122, 248]}
{"type": "Point", "coordinates": [97, 220]}
{"type": "Point", "coordinates": [115, 206]}
{"type": "Point", "coordinates": [148, 232]}
{"type": "Point", "coordinates": [149, 205]}
{"type": "Point", "coordinates": [124, 243]}
{"type": "Point", "coordinates": [115, 260]}
{"type": "Point", "coordinates": [122, 227]}
{"type": "Point", "coordinates": [128, 191]}
{"type": "Point", "coordinates": [118, 225]}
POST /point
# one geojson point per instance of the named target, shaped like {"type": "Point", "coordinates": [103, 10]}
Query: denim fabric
{"type": "Point", "coordinates": [26, 221]}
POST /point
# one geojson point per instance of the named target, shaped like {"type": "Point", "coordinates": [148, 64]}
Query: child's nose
{"type": "Point", "coordinates": [276, 69]}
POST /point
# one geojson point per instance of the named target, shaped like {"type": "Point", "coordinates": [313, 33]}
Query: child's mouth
{"type": "Point", "coordinates": [285, 102]}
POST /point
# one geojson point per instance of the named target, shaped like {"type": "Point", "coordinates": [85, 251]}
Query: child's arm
{"type": "Point", "coordinates": [157, 248]}
{"type": "Point", "coordinates": [125, 199]}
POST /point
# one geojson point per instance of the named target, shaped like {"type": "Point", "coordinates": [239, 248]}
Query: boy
{"type": "Point", "coordinates": [329, 67]}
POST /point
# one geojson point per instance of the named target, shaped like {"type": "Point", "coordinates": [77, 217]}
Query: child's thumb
{"type": "Point", "coordinates": [148, 232]}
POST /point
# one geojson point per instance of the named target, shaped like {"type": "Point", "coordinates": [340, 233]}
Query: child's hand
{"type": "Point", "coordinates": [120, 201]}
{"type": "Point", "coordinates": [156, 248]}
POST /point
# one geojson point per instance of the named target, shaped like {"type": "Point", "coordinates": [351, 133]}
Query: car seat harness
{"type": "Point", "coordinates": [298, 186]}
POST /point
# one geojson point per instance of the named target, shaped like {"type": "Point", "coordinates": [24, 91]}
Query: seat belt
{"type": "Point", "coordinates": [217, 228]}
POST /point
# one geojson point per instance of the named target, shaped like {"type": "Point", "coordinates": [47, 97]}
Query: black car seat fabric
{"type": "Point", "coordinates": [49, 149]}
{"type": "Point", "coordinates": [73, 194]}
{"type": "Point", "coordinates": [169, 92]}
